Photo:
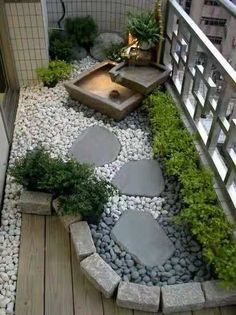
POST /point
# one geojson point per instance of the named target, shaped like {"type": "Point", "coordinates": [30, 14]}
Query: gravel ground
{"type": "Point", "coordinates": [50, 117]}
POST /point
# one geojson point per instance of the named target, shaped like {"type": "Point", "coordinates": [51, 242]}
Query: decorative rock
{"type": "Point", "coordinates": [100, 274]}
{"type": "Point", "coordinates": [82, 239]}
{"type": "Point", "coordinates": [182, 297]}
{"type": "Point", "coordinates": [79, 52]}
{"type": "Point", "coordinates": [152, 247]}
{"type": "Point", "coordinates": [33, 202]}
{"type": "Point", "coordinates": [103, 42]}
{"type": "Point", "coordinates": [96, 145]}
{"type": "Point", "coordinates": [216, 295]}
{"type": "Point", "coordinates": [140, 178]}
{"type": "Point", "coordinates": [66, 219]}
{"type": "Point", "coordinates": [138, 297]}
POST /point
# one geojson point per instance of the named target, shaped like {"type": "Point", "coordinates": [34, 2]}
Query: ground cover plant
{"type": "Point", "coordinates": [201, 212]}
{"type": "Point", "coordinates": [56, 71]}
{"type": "Point", "coordinates": [78, 188]}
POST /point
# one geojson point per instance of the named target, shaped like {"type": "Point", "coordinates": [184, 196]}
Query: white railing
{"type": "Point", "coordinates": [206, 87]}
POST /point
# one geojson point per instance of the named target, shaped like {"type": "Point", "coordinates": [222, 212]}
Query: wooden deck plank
{"type": "Point", "coordinates": [30, 284]}
{"type": "Point", "coordinates": [208, 311]}
{"type": "Point", "coordinates": [228, 310]}
{"type": "Point", "coordinates": [58, 278]}
{"type": "Point", "coordinates": [87, 300]}
{"type": "Point", "coordinates": [110, 308]}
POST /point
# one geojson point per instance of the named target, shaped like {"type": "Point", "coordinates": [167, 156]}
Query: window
{"type": "Point", "coordinates": [214, 21]}
{"type": "Point", "coordinates": [216, 40]}
{"type": "Point", "coordinates": [213, 3]}
{"type": "Point", "coordinates": [188, 6]}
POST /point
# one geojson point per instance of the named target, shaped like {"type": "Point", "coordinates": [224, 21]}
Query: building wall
{"type": "Point", "coordinates": [28, 36]}
{"type": "Point", "coordinates": [199, 11]}
{"type": "Point", "coordinates": [4, 145]}
{"type": "Point", "coordinates": [110, 15]}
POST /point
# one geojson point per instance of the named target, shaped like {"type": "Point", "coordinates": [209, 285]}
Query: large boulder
{"type": "Point", "coordinates": [103, 42]}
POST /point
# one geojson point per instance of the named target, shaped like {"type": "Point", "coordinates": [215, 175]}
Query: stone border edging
{"type": "Point", "coordinates": [167, 299]}
{"type": "Point", "coordinates": [174, 298]}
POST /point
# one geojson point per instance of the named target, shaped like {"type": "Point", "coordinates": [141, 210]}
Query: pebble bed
{"type": "Point", "coordinates": [50, 117]}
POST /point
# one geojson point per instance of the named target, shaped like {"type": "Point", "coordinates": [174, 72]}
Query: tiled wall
{"type": "Point", "coordinates": [28, 35]}
{"type": "Point", "coordinates": [110, 15]}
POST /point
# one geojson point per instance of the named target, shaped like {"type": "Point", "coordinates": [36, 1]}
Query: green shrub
{"type": "Point", "coordinates": [79, 189]}
{"type": "Point", "coordinates": [90, 197]}
{"type": "Point", "coordinates": [57, 70]}
{"type": "Point", "coordinates": [201, 212]}
{"type": "Point", "coordinates": [82, 30]}
{"type": "Point", "coordinates": [60, 47]}
{"type": "Point", "coordinates": [114, 52]}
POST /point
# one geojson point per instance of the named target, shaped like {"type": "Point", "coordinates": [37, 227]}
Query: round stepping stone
{"type": "Point", "coordinates": [103, 42]}
{"type": "Point", "coordinates": [96, 145]}
{"type": "Point", "coordinates": [140, 178]}
{"type": "Point", "coordinates": [142, 237]}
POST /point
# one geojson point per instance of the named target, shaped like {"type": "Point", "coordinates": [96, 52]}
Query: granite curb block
{"type": "Point", "coordinates": [138, 297]}
{"type": "Point", "coordinates": [182, 297]}
{"type": "Point", "coordinates": [102, 276]}
{"type": "Point", "coordinates": [216, 295]}
{"type": "Point", "coordinates": [33, 202]}
{"type": "Point", "coordinates": [82, 239]}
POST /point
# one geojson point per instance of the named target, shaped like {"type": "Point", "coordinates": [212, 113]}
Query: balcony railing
{"type": "Point", "coordinates": [206, 87]}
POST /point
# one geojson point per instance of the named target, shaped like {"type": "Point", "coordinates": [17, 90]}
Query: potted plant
{"type": "Point", "coordinates": [144, 27]}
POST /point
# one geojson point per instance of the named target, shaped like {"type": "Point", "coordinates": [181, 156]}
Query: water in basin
{"type": "Point", "coordinates": [100, 83]}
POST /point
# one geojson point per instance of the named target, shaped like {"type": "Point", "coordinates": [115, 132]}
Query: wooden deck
{"type": "Point", "coordinates": [50, 281]}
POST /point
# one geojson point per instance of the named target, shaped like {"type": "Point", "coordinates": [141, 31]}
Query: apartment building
{"type": "Point", "coordinates": [217, 23]}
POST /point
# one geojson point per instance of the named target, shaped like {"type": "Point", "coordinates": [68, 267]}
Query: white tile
{"type": "Point", "coordinates": [19, 9]}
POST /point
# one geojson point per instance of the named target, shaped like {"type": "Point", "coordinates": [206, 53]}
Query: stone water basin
{"type": "Point", "coordinates": [143, 79]}
{"type": "Point", "coordinates": [95, 89]}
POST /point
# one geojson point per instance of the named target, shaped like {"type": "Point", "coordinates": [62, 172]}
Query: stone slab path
{"type": "Point", "coordinates": [140, 235]}
{"type": "Point", "coordinates": [96, 146]}
{"type": "Point", "coordinates": [140, 178]}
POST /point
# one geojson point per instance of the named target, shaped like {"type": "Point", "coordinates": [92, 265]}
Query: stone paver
{"type": "Point", "coordinates": [82, 239]}
{"type": "Point", "coordinates": [33, 202]}
{"type": "Point", "coordinates": [216, 295]}
{"type": "Point", "coordinates": [103, 277]}
{"type": "Point", "coordinates": [138, 297]}
{"type": "Point", "coordinates": [96, 145]}
{"type": "Point", "coordinates": [140, 235]}
{"type": "Point", "coordinates": [103, 42]}
{"type": "Point", "coordinates": [182, 297]}
{"type": "Point", "coordinates": [140, 178]}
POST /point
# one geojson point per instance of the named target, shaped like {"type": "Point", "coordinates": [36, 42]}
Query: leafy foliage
{"type": "Point", "coordinates": [76, 184]}
{"type": "Point", "coordinates": [60, 47]}
{"type": "Point", "coordinates": [202, 213]}
{"type": "Point", "coordinates": [144, 27]}
{"type": "Point", "coordinates": [82, 30]}
{"type": "Point", "coordinates": [57, 70]}
{"type": "Point", "coordinates": [114, 52]}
